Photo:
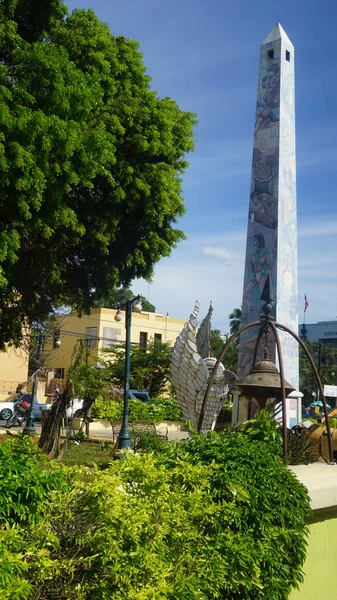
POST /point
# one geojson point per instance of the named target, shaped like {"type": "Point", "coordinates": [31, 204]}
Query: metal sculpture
{"type": "Point", "coordinates": [267, 326]}
{"type": "Point", "coordinates": [191, 369]}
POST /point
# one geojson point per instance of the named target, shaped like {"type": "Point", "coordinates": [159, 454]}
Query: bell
{"type": "Point", "coordinates": [263, 382]}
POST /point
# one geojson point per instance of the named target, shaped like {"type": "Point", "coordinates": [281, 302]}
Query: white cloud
{"type": "Point", "coordinates": [319, 228]}
{"type": "Point", "coordinates": [190, 274]}
{"type": "Point", "coordinates": [224, 254]}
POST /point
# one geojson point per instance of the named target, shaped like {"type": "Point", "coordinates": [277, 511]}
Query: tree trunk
{"type": "Point", "coordinates": [50, 437]}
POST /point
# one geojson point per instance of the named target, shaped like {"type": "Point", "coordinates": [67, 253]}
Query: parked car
{"type": "Point", "coordinates": [7, 406]}
{"type": "Point", "coordinates": [143, 396]}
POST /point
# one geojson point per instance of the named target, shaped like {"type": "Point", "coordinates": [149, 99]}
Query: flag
{"type": "Point", "coordinates": [306, 303]}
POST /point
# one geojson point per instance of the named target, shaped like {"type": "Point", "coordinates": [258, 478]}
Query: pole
{"type": "Point", "coordinates": [319, 366]}
{"type": "Point", "coordinates": [29, 428]}
{"type": "Point", "coordinates": [124, 435]}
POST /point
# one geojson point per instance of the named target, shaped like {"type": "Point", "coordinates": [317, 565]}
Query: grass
{"type": "Point", "coordinates": [86, 454]}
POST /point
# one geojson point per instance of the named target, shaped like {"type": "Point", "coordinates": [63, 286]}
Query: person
{"type": "Point", "coordinates": [88, 401]}
{"type": "Point", "coordinates": [19, 388]}
{"type": "Point", "coordinates": [56, 394]}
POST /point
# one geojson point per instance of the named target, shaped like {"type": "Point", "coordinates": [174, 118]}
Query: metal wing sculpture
{"type": "Point", "coordinates": [204, 335]}
{"type": "Point", "coordinates": [190, 373]}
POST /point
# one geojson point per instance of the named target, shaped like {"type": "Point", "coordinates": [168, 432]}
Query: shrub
{"type": "Point", "coordinates": [159, 409]}
{"type": "Point", "coordinates": [148, 441]}
{"type": "Point", "coordinates": [26, 479]}
{"type": "Point", "coordinates": [265, 428]}
{"type": "Point", "coordinates": [216, 517]}
{"type": "Point", "coordinates": [210, 518]}
{"type": "Point", "coordinates": [28, 482]}
{"type": "Point", "coordinates": [267, 517]}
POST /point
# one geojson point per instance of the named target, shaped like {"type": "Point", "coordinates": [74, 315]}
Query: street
{"type": "Point", "coordinates": [99, 430]}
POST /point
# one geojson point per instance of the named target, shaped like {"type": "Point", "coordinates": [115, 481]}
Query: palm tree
{"type": "Point", "coordinates": [235, 320]}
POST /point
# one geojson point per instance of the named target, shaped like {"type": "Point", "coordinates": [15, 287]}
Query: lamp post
{"type": "Point", "coordinates": [124, 435]}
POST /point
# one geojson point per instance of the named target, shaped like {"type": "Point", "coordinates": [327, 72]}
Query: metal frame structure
{"type": "Point", "coordinates": [266, 325]}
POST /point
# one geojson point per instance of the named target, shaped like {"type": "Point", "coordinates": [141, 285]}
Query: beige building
{"type": "Point", "coordinates": [13, 370]}
{"type": "Point", "coordinates": [99, 330]}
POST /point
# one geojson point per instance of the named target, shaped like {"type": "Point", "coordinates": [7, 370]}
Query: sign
{"type": "Point", "coordinates": [330, 390]}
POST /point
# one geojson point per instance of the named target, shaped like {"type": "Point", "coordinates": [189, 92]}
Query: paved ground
{"type": "Point", "coordinates": [98, 431]}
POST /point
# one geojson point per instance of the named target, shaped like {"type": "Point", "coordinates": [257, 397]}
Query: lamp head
{"type": "Point", "coordinates": [138, 307]}
{"type": "Point", "coordinates": [118, 316]}
{"type": "Point", "coordinates": [57, 343]}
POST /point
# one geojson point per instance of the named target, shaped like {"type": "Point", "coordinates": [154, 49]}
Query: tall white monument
{"type": "Point", "coordinates": [272, 223]}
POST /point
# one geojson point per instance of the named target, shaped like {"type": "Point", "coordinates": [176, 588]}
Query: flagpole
{"type": "Point", "coordinates": [304, 311]}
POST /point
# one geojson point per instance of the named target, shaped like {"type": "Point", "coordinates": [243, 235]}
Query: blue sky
{"type": "Point", "coordinates": [204, 54]}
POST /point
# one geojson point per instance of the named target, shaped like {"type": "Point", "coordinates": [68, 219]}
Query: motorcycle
{"type": "Point", "coordinates": [18, 417]}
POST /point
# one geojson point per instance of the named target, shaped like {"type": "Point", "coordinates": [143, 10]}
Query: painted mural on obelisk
{"type": "Point", "coordinates": [272, 229]}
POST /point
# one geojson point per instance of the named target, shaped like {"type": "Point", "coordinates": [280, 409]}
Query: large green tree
{"type": "Point", "coordinates": [91, 161]}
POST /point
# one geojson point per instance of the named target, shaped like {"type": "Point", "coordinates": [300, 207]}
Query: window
{"type": "Point", "coordinates": [56, 339]}
{"type": "Point", "coordinates": [270, 54]}
{"type": "Point", "coordinates": [144, 397]}
{"type": "Point", "coordinates": [143, 339]}
{"type": "Point", "coordinates": [157, 338]}
{"type": "Point", "coordinates": [90, 340]}
{"type": "Point", "coordinates": [59, 374]}
{"type": "Point", "coordinates": [288, 55]}
{"type": "Point", "coordinates": [111, 336]}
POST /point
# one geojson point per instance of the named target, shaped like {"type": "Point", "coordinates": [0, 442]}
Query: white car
{"type": "Point", "coordinates": [7, 406]}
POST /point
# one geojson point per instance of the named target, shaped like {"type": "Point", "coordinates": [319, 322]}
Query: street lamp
{"type": "Point", "coordinates": [124, 435]}
{"type": "Point", "coordinates": [29, 428]}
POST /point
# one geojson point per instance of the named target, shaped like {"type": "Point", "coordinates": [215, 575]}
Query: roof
{"type": "Point", "coordinates": [277, 33]}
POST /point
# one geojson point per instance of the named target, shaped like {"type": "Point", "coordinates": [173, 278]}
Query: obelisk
{"type": "Point", "coordinates": [272, 222]}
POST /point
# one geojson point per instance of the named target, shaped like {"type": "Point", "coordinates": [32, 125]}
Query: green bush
{"type": "Point", "coordinates": [148, 441]}
{"type": "Point", "coordinates": [26, 479]}
{"type": "Point", "coordinates": [28, 482]}
{"type": "Point", "coordinates": [267, 517]}
{"type": "Point", "coordinates": [159, 409]}
{"type": "Point", "coordinates": [210, 518]}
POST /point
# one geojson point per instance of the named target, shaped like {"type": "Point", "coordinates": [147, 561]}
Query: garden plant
{"type": "Point", "coordinates": [215, 517]}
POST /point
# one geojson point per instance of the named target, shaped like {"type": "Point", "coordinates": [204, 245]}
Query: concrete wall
{"type": "Point", "coordinates": [320, 564]}
{"type": "Point", "coordinates": [320, 479]}
{"type": "Point", "coordinates": [13, 370]}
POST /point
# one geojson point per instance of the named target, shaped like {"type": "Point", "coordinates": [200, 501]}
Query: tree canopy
{"type": "Point", "coordinates": [235, 320]}
{"type": "Point", "coordinates": [119, 297]}
{"type": "Point", "coordinates": [91, 161]}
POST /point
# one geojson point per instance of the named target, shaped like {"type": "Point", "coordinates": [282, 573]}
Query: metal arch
{"type": "Point", "coordinates": [274, 326]}
{"type": "Point", "coordinates": [318, 379]}
{"type": "Point", "coordinates": [283, 390]}
{"type": "Point", "coordinates": [215, 368]}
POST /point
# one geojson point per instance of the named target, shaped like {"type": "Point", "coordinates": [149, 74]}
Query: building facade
{"type": "Point", "coordinates": [13, 370]}
{"type": "Point", "coordinates": [99, 330]}
{"type": "Point", "coordinates": [322, 331]}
